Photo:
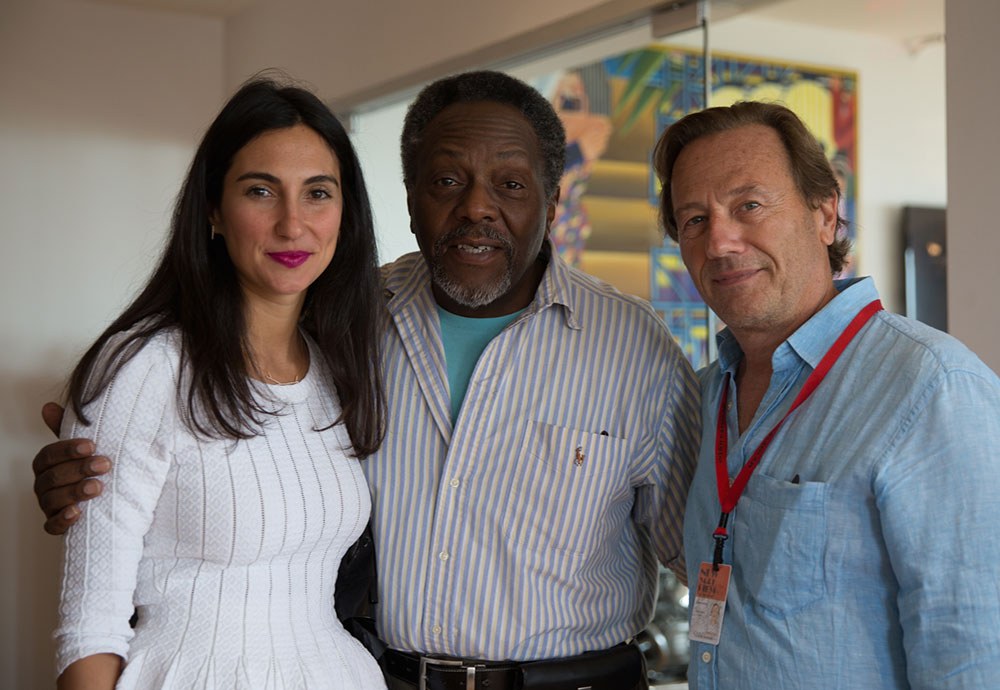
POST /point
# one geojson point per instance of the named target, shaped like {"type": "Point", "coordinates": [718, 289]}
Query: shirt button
{"type": "Point", "coordinates": [454, 482]}
{"type": "Point", "coordinates": [436, 630]}
{"type": "Point", "coordinates": [706, 657]}
{"type": "Point", "coordinates": [443, 556]}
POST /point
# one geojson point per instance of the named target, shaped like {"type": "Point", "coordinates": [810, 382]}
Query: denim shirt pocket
{"type": "Point", "coordinates": [779, 543]}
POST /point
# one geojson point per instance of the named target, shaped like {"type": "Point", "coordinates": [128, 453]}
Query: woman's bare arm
{"type": "Point", "coordinates": [95, 672]}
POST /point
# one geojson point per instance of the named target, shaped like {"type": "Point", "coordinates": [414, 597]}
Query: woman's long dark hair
{"type": "Point", "coordinates": [194, 288]}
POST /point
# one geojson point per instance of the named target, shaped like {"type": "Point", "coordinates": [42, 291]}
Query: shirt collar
{"type": "Point", "coordinates": [555, 287]}
{"type": "Point", "coordinates": [813, 338]}
{"type": "Point", "coordinates": [413, 284]}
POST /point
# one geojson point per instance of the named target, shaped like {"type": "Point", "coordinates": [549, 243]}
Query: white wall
{"type": "Point", "coordinates": [100, 107]}
{"type": "Point", "coordinates": [375, 135]}
{"type": "Point", "coordinates": [973, 153]}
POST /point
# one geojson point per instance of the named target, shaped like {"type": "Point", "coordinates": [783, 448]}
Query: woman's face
{"type": "Point", "coordinates": [280, 213]}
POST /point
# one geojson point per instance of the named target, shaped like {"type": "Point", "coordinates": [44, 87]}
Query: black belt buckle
{"type": "Point", "coordinates": [457, 664]}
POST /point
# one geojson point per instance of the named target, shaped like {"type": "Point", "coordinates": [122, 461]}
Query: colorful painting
{"type": "Point", "coordinates": [676, 299]}
{"type": "Point", "coordinates": [614, 111]}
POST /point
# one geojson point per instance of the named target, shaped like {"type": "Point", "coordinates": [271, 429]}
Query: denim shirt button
{"type": "Point", "coordinates": [706, 657]}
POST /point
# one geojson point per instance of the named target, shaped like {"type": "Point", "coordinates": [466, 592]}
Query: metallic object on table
{"type": "Point", "coordinates": [664, 642]}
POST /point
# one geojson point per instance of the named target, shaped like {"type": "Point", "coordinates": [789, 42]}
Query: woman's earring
{"type": "Point", "coordinates": [213, 231]}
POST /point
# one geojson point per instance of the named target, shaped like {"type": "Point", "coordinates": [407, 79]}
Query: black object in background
{"type": "Point", "coordinates": [925, 257]}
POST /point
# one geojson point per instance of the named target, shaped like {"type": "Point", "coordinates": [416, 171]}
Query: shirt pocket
{"type": "Point", "coordinates": [564, 488]}
{"type": "Point", "coordinates": [779, 548]}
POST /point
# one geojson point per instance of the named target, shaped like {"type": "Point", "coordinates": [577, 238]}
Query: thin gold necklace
{"type": "Point", "coordinates": [276, 382]}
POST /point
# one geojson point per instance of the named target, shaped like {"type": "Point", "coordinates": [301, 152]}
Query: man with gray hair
{"type": "Point", "coordinates": [840, 529]}
{"type": "Point", "coordinates": [542, 425]}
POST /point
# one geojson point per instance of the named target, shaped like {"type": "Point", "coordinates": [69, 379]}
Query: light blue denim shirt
{"type": "Point", "coordinates": [865, 548]}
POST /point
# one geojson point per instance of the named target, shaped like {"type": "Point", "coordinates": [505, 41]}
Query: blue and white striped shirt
{"type": "Point", "coordinates": [531, 528]}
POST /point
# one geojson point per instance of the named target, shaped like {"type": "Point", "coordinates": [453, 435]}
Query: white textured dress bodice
{"type": "Point", "coordinates": [227, 550]}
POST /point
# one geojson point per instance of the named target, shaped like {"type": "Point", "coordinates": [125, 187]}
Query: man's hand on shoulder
{"type": "Point", "coordinates": [64, 473]}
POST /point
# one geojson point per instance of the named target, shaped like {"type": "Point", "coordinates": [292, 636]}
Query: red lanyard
{"type": "Point", "coordinates": [729, 495]}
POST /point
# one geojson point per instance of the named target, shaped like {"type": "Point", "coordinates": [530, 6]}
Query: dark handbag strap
{"type": "Point", "coordinates": [356, 593]}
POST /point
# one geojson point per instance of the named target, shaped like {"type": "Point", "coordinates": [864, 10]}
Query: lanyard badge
{"type": "Point", "coordinates": [709, 603]}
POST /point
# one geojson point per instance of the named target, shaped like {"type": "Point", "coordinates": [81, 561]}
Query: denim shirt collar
{"type": "Point", "coordinates": [813, 338]}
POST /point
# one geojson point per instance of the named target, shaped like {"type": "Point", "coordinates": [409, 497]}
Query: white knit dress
{"type": "Point", "coordinates": [228, 550]}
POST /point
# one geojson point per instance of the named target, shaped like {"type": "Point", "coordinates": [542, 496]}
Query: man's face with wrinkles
{"type": "Point", "coordinates": [478, 208]}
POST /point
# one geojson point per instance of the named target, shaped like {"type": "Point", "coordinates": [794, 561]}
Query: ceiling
{"type": "Point", "coordinates": [205, 8]}
{"type": "Point", "coordinates": [908, 20]}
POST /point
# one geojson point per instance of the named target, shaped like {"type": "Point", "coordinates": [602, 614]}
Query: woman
{"type": "Point", "coordinates": [232, 394]}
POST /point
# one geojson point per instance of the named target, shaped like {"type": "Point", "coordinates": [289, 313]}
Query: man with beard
{"type": "Point", "coordinates": [542, 426]}
{"type": "Point", "coordinates": [842, 516]}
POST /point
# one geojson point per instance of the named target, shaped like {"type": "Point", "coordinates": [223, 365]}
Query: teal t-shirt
{"type": "Point", "coordinates": [464, 340]}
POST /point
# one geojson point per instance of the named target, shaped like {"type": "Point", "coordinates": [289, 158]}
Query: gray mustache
{"type": "Point", "coordinates": [472, 231]}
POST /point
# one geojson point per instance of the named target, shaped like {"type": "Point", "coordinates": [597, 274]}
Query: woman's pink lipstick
{"type": "Point", "coordinates": [290, 259]}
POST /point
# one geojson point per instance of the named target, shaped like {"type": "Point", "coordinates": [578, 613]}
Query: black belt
{"type": "Point", "coordinates": [619, 668]}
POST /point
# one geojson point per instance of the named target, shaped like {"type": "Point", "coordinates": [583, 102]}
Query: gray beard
{"type": "Point", "coordinates": [472, 298]}
{"type": "Point", "coordinates": [467, 296]}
